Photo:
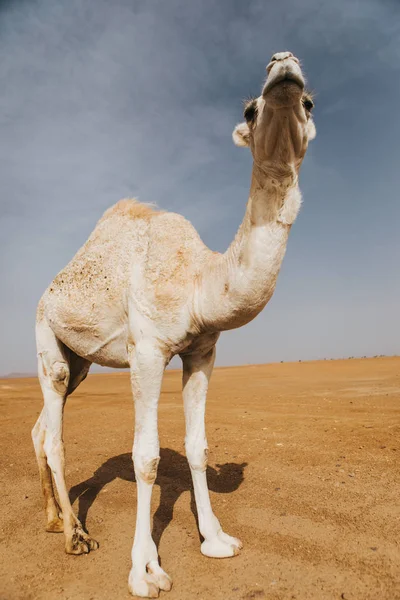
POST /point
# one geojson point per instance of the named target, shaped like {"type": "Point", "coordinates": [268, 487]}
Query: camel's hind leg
{"type": "Point", "coordinates": [60, 371]}
{"type": "Point", "coordinates": [79, 368]}
{"type": "Point", "coordinates": [53, 511]}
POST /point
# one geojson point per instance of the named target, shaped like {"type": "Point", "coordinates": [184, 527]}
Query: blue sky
{"type": "Point", "coordinates": [102, 100]}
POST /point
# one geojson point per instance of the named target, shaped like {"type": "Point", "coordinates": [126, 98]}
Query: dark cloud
{"type": "Point", "coordinates": [102, 100]}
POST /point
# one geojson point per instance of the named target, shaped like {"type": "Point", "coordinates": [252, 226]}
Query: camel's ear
{"type": "Point", "coordinates": [241, 135]}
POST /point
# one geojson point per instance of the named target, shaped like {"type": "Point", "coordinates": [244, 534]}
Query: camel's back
{"type": "Point", "coordinates": [133, 251]}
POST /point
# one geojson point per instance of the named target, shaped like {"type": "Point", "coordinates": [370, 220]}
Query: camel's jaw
{"type": "Point", "coordinates": [285, 83]}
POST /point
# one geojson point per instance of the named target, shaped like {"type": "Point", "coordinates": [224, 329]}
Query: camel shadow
{"type": "Point", "coordinates": [173, 477]}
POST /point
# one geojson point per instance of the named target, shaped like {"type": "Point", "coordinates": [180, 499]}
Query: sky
{"type": "Point", "coordinates": [103, 100]}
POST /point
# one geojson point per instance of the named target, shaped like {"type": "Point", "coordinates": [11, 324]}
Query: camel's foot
{"type": "Point", "coordinates": [222, 546]}
{"type": "Point", "coordinates": [80, 542]}
{"type": "Point", "coordinates": [149, 585]}
{"type": "Point", "coordinates": [55, 525]}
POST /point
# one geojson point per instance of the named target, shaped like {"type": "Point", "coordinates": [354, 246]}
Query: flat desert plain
{"type": "Point", "coordinates": [304, 468]}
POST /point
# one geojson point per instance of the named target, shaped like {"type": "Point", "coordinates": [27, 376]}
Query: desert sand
{"type": "Point", "coordinates": [304, 468]}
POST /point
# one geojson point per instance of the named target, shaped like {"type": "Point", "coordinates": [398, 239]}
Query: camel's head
{"type": "Point", "coordinates": [278, 124]}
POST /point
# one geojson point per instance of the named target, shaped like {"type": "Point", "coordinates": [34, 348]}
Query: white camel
{"type": "Point", "coordinates": [144, 288]}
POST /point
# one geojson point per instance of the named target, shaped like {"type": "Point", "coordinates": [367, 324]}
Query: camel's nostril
{"type": "Point", "coordinates": [281, 56]}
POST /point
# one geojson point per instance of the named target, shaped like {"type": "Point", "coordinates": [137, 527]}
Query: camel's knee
{"type": "Point", "coordinates": [59, 376]}
{"type": "Point", "coordinates": [197, 456]}
{"type": "Point", "coordinates": [146, 469]}
{"type": "Point", "coordinates": [56, 373]}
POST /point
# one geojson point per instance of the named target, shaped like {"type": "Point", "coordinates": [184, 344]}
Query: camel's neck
{"type": "Point", "coordinates": [238, 285]}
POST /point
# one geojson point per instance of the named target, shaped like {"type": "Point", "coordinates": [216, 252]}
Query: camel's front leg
{"type": "Point", "coordinates": [147, 367]}
{"type": "Point", "coordinates": [197, 371]}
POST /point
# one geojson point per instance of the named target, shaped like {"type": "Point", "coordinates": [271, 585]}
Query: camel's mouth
{"type": "Point", "coordinates": [285, 77]}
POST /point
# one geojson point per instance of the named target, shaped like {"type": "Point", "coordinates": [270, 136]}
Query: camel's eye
{"type": "Point", "coordinates": [308, 104]}
{"type": "Point", "coordinates": [250, 111]}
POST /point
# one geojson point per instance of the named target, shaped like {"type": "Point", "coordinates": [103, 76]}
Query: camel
{"type": "Point", "coordinates": [145, 288]}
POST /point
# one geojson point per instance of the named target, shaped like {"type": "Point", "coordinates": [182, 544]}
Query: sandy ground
{"type": "Point", "coordinates": [304, 468]}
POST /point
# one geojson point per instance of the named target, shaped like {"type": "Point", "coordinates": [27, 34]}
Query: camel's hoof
{"type": "Point", "coordinates": [163, 580]}
{"type": "Point", "coordinates": [55, 526]}
{"type": "Point", "coordinates": [150, 585]}
{"type": "Point", "coordinates": [222, 546]}
{"type": "Point", "coordinates": [80, 542]}
{"type": "Point", "coordinates": [144, 588]}
{"type": "Point", "coordinates": [228, 539]}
